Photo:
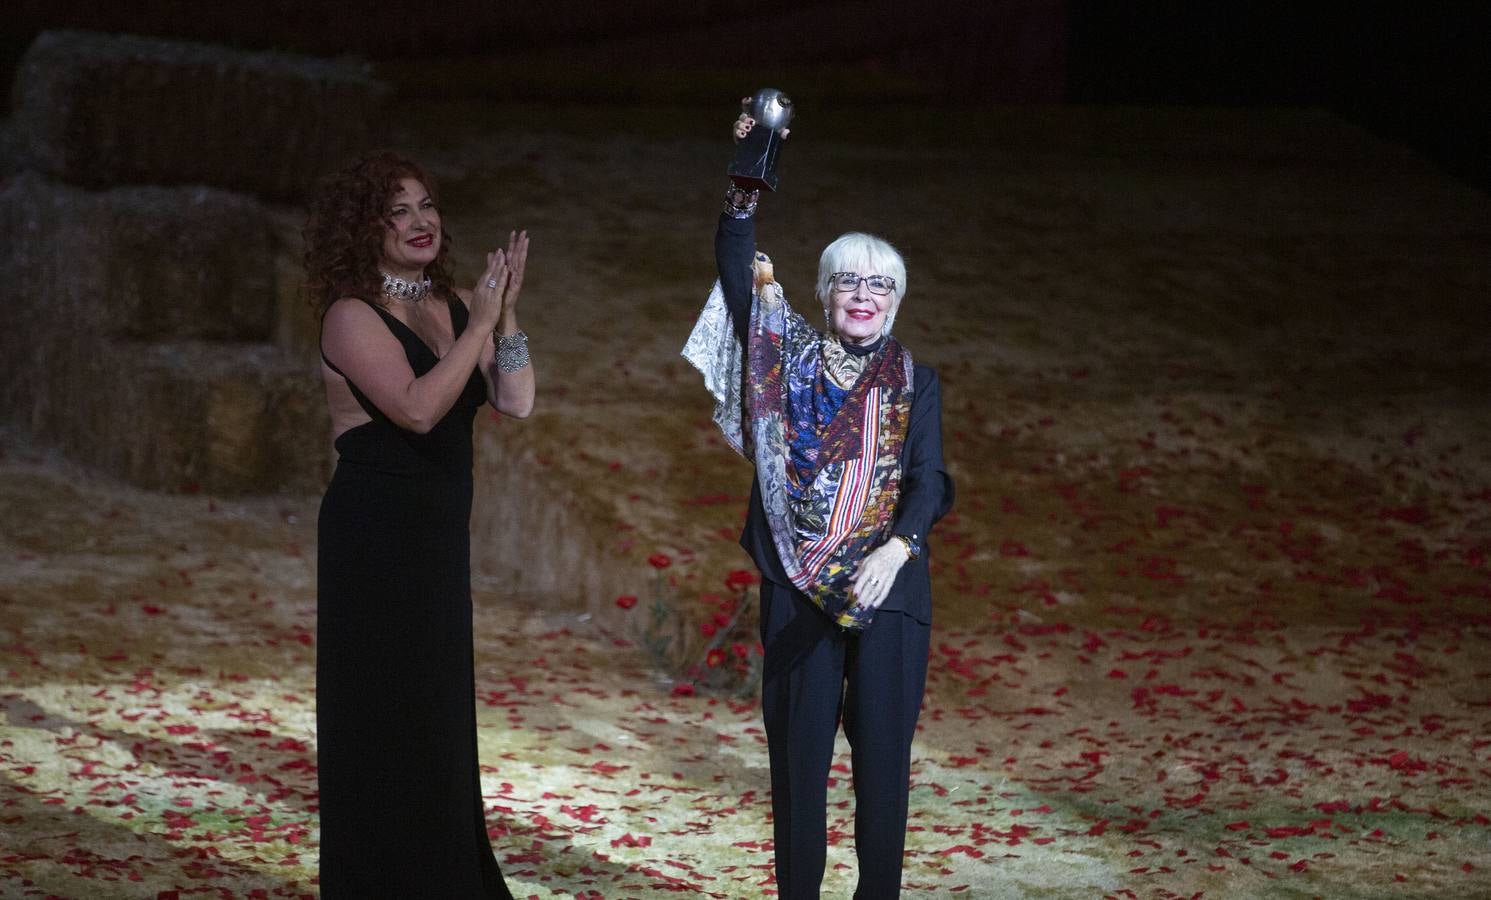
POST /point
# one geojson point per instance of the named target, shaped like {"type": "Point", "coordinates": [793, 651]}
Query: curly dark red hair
{"type": "Point", "coordinates": [344, 231]}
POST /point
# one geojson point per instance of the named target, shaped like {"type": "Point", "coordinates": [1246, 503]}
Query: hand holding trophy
{"type": "Point", "coordinates": [759, 133]}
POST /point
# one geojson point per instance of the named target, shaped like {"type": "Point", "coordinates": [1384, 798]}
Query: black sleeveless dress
{"type": "Point", "coordinates": [401, 810]}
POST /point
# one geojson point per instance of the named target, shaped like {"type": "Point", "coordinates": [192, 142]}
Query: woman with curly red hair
{"type": "Point", "coordinates": [407, 360]}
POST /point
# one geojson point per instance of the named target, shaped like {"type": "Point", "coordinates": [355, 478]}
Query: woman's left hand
{"type": "Point", "coordinates": [517, 264]}
{"type": "Point", "coordinates": [877, 572]}
{"type": "Point", "coordinates": [744, 123]}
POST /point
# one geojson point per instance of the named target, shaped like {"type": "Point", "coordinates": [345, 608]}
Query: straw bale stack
{"type": "Point", "coordinates": [97, 110]}
{"type": "Point", "coordinates": [134, 328]}
{"type": "Point", "coordinates": [189, 415]}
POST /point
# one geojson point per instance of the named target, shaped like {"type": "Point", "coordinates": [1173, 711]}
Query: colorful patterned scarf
{"type": "Point", "coordinates": [828, 458]}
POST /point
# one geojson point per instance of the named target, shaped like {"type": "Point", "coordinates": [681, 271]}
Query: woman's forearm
{"type": "Point", "coordinates": [734, 247]}
{"type": "Point", "coordinates": [512, 393]}
{"type": "Point", "coordinates": [430, 396]}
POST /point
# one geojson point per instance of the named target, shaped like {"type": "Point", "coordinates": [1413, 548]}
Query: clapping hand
{"type": "Point", "coordinates": [487, 296]}
{"type": "Point", "coordinates": [497, 288]}
{"type": "Point", "coordinates": [517, 263]}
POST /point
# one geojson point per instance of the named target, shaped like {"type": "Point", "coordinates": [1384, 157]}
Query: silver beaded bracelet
{"type": "Point", "coordinates": [741, 203]}
{"type": "Point", "coordinates": [512, 352]}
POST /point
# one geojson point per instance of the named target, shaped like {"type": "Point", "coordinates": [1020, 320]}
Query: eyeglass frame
{"type": "Point", "coordinates": [834, 277]}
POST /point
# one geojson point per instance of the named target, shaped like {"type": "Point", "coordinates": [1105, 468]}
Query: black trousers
{"type": "Point", "coordinates": [813, 674]}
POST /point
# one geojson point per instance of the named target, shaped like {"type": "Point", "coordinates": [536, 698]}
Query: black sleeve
{"type": "Point", "coordinates": [734, 248]}
{"type": "Point", "coordinates": [926, 488]}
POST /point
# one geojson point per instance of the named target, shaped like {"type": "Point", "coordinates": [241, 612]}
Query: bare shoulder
{"type": "Point", "coordinates": [349, 313]}
{"type": "Point", "coordinates": [350, 326]}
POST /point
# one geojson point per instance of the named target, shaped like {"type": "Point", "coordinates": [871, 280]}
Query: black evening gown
{"type": "Point", "coordinates": [401, 809]}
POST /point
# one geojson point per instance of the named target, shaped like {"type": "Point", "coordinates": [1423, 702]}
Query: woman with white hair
{"type": "Point", "coordinates": [845, 434]}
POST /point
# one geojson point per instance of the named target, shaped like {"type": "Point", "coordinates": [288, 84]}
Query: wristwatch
{"type": "Point", "coordinates": [913, 545]}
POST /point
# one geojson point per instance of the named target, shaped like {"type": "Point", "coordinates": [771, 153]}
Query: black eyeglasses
{"type": "Point", "coordinates": [849, 281]}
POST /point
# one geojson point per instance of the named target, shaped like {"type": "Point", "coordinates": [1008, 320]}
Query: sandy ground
{"type": "Point", "coordinates": [1212, 608]}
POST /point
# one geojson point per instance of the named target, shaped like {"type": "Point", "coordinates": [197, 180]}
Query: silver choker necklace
{"type": "Point", "coordinates": [399, 289]}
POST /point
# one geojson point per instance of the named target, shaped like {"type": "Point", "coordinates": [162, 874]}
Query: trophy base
{"type": "Point", "coordinates": [753, 183]}
{"type": "Point", "coordinates": [755, 163]}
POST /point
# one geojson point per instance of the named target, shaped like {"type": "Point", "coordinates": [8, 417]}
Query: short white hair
{"type": "Point", "coordinates": [865, 254]}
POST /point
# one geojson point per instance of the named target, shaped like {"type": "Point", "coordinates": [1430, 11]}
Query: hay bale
{"type": "Point", "coordinates": [97, 109]}
{"type": "Point", "coordinates": [134, 328]}
{"type": "Point", "coordinates": [190, 415]}
{"type": "Point", "coordinates": [193, 262]}
{"type": "Point", "coordinates": [535, 535]}
{"type": "Point", "coordinates": [245, 418]}
{"type": "Point", "coordinates": [148, 262]}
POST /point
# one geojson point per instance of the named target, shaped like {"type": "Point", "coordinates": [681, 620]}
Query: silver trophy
{"type": "Point", "coordinates": [755, 163]}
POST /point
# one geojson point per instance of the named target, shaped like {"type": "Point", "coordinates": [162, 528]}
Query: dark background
{"type": "Point", "coordinates": [1411, 72]}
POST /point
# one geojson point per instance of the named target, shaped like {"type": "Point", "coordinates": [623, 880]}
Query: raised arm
{"type": "Point", "coordinates": [734, 246]}
{"type": "Point", "coordinates": [735, 238]}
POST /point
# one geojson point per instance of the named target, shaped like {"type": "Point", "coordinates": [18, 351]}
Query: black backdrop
{"type": "Point", "coordinates": [1414, 72]}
